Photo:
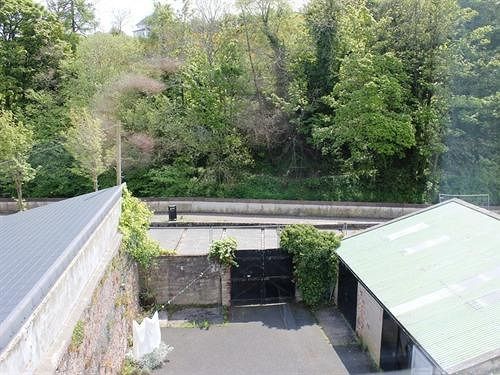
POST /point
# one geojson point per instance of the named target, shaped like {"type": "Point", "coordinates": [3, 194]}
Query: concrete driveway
{"type": "Point", "coordinates": [275, 339]}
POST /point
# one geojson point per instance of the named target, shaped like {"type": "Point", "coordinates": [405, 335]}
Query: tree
{"type": "Point", "coordinates": [99, 61]}
{"type": "Point", "coordinates": [168, 34]}
{"type": "Point", "coordinates": [85, 142]}
{"type": "Point", "coordinates": [371, 122]}
{"type": "Point", "coordinates": [32, 47]}
{"type": "Point", "coordinates": [16, 142]}
{"type": "Point", "coordinates": [271, 14]}
{"type": "Point", "coordinates": [77, 16]}
{"type": "Point", "coordinates": [420, 34]}
{"type": "Point", "coordinates": [120, 17]}
{"type": "Point", "coordinates": [471, 164]}
{"type": "Point", "coordinates": [322, 18]}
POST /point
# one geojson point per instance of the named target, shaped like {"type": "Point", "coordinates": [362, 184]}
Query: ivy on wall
{"type": "Point", "coordinates": [134, 225]}
{"type": "Point", "coordinates": [314, 260]}
{"type": "Point", "coordinates": [223, 252]}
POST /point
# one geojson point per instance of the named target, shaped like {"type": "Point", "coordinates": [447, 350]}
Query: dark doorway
{"type": "Point", "coordinates": [396, 346]}
{"type": "Point", "coordinates": [347, 296]}
{"type": "Point", "coordinates": [262, 276]}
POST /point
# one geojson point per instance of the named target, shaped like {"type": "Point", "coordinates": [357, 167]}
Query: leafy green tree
{"type": "Point", "coordinates": [420, 34]}
{"type": "Point", "coordinates": [323, 17]}
{"type": "Point", "coordinates": [212, 102]}
{"type": "Point", "coordinates": [168, 35]}
{"type": "Point", "coordinates": [85, 141]}
{"type": "Point", "coordinates": [32, 47]}
{"type": "Point", "coordinates": [77, 16]}
{"type": "Point", "coordinates": [371, 121]}
{"type": "Point", "coordinates": [16, 142]}
{"type": "Point", "coordinates": [472, 163]}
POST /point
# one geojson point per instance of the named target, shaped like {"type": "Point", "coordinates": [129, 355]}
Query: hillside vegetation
{"type": "Point", "coordinates": [381, 100]}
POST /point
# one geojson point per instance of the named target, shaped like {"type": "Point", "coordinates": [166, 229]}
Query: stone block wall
{"type": "Point", "coordinates": [101, 337]}
{"type": "Point", "coordinates": [186, 280]}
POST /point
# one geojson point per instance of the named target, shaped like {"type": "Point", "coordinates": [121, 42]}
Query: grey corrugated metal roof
{"type": "Point", "coordinates": [37, 245]}
{"type": "Point", "coordinates": [438, 273]}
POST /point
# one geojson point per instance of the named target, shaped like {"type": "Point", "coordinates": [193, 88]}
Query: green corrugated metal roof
{"type": "Point", "coordinates": [438, 272]}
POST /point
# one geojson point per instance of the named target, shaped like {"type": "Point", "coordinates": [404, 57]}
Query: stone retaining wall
{"type": "Point", "coordinates": [383, 211]}
{"type": "Point", "coordinates": [186, 280]}
{"type": "Point", "coordinates": [101, 337]}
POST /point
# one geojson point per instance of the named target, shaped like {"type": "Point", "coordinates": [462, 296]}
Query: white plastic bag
{"type": "Point", "coordinates": [147, 336]}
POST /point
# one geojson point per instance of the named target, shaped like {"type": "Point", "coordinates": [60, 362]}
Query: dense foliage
{"type": "Point", "coordinates": [314, 260]}
{"type": "Point", "coordinates": [134, 225]}
{"type": "Point", "coordinates": [385, 100]}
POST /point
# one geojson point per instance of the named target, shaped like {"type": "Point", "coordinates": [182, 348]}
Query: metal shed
{"type": "Point", "coordinates": [423, 291]}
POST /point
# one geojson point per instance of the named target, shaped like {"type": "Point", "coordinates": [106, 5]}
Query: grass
{"type": "Point", "coordinates": [203, 324]}
{"type": "Point", "coordinates": [77, 336]}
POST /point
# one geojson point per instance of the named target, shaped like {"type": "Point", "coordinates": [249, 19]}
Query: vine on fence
{"type": "Point", "coordinates": [314, 260]}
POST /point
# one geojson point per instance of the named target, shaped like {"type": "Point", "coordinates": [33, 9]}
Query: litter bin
{"type": "Point", "coordinates": [172, 213]}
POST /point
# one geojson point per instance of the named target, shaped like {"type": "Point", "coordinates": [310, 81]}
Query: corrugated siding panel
{"type": "Point", "coordinates": [427, 268]}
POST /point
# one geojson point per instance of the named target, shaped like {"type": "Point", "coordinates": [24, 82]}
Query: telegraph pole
{"type": "Point", "coordinates": [118, 153]}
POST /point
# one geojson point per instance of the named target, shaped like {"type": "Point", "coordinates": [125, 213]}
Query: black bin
{"type": "Point", "coordinates": [172, 212]}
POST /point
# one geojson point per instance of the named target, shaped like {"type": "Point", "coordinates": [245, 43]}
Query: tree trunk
{"type": "Point", "coordinates": [250, 58]}
{"type": "Point", "coordinates": [19, 190]}
{"type": "Point", "coordinates": [73, 17]}
{"type": "Point", "coordinates": [96, 183]}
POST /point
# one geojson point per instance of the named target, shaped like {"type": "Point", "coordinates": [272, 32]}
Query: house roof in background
{"type": "Point", "coordinates": [37, 245]}
{"type": "Point", "coordinates": [437, 271]}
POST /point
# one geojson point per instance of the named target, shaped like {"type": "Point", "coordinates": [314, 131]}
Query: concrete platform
{"type": "Point", "coordinates": [196, 241]}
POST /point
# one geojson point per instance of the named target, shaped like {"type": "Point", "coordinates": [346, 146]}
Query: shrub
{"type": "Point", "coordinates": [134, 225]}
{"type": "Point", "coordinates": [314, 260]}
{"type": "Point", "coordinates": [224, 252]}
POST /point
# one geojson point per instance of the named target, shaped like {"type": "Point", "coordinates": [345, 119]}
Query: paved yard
{"type": "Point", "coordinates": [344, 341]}
{"type": "Point", "coordinates": [277, 339]}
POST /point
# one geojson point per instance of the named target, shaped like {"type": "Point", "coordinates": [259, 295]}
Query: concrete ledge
{"type": "Point", "coordinates": [333, 226]}
{"type": "Point", "coordinates": [366, 210]}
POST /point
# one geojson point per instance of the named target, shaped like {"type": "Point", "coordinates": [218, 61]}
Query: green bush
{"type": "Point", "coordinates": [134, 225]}
{"type": "Point", "coordinates": [314, 260]}
{"type": "Point", "coordinates": [223, 252]}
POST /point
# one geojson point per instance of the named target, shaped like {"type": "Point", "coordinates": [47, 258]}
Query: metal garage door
{"type": "Point", "coordinates": [347, 294]}
{"type": "Point", "coordinates": [263, 276]}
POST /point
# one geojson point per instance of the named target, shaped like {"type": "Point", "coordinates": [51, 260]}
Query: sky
{"type": "Point", "coordinates": [137, 10]}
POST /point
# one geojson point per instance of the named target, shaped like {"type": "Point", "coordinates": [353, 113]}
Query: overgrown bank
{"type": "Point", "coordinates": [390, 100]}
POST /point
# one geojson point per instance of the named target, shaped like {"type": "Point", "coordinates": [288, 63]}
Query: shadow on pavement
{"type": "Point", "coordinates": [280, 316]}
{"type": "Point", "coordinates": [344, 341]}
